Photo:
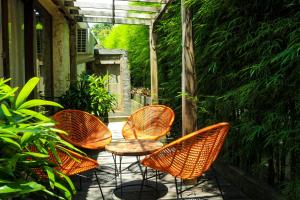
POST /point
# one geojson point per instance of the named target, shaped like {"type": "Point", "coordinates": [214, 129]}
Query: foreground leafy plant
{"type": "Point", "coordinates": [23, 130]}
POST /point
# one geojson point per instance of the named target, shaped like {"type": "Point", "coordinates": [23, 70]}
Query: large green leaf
{"type": "Point", "coordinates": [38, 102]}
{"type": "Point", "coordinates": [7, 131]}
{"type": "Point", "coordinates": [54, 152]}
{"type": "Point", "coordinates": [5, 181]}
{"type": "Point", "coordinates": [21, 188]}
{"type": "Point", "coordinates": [53, 194]}
{"type": "Point", "coordinates": [65, 190]}
{"type": "Point", "coordinates": [26, 90]}
{"type": "Point", "coordinates": [11, 93]}
{"type": "Point", "coordinates": [11, 142]}
{"type": "Point", "coordinates": [9, 135]}
{"type": "Point", "coordinates": [59, 131]}
{"type": "Point", "coordinates": [26, 136]}
{"type": "Point", "coordinates": [35, 114]}
{"type": "Point", "coordinates": [51, 176]}
{"type": "Point", "coordinates": [5, 110]}
{"type": "Point", "coordinates": [10, 189]}
{"type": "Point", "coordinates": [70, 146]}
{"type": "Point", "coordinates": [37, 155]}
{"type": "Point", "coordinates": [31, 187]}
{"type": "Point", "coordinates": [68, 181]}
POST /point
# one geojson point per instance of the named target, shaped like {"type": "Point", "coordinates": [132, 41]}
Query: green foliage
{"type": "Point", "coordinates": [23, 130]}
{"type": "Point", "coordinates": [134, 39]}
{"type": "Point", "coordinates": [90, 94]}
{"type": "Point", "coordinates": [101, 31]}
{"type": "Point", "coordinates": [247, 58]}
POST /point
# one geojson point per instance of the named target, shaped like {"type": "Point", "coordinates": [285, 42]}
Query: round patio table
{"type": "Point", "coordinates": [131, 148]}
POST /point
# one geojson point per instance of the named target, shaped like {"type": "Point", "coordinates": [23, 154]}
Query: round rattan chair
{"type": "Point", "coordinates": [149, 123]}
{"type": "Point", "coordinates": [190, 156]}
{"type": "Point", "coordinates": [84, 129]}
{"type": "Point", "coordinates": [71, 163]}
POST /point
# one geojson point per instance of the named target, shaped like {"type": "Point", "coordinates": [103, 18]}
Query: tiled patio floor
{"type": "Point", "coordinates": [206, 189]}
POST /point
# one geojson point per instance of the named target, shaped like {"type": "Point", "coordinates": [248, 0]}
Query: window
{"type": "Point", "coordinates": [81, 40]}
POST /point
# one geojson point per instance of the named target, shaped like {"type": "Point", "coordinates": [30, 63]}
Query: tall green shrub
{"type": "Point", "coordinates": [247, 58]}
{"type": "Point", "coordinates": [90, 93]}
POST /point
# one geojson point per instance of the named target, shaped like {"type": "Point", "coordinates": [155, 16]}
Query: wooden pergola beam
{"type": "Point", "coordinates": [110, 20]}
{"type": "Point", "coordinates": [118, 14]}
{"type": "Point", "coordinates": [147, 1]}
{"type": "Point", "coordinates": [117, 7]}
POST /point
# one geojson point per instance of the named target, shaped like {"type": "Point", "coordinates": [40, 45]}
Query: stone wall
{"type": "Point", "coordinates": [107, 61]}
{"type": "Point", "coordinates": [138, 101]}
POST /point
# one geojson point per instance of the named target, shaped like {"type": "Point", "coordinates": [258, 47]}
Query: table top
{"type": "Point", "coordinates": [133, 147]}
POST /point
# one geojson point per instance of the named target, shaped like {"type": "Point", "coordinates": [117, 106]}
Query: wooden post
{"type": "Point", "coordinates": [153, 65]}
{"type": "Point", "coordinates": [189, 107]}
{"type": "Point", "coordinates": [73, 51]}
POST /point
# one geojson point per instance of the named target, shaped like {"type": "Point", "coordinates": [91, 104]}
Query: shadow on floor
{"type": "Point", "coordinates": [131, 190]}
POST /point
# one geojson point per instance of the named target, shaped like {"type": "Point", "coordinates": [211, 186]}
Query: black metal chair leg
{"type": "Point", "coordinates": [138, 158]}
{"type": "Point", "coordinates": [177, 192]}
{"type": "Point", "coordinates": [143, 182]}
{"type": "Point", "coordinates": [99, 186]}
{"type": "Point", "coordinates": [218, 183]}
{"type": "Point", "coordinates": [120, 170]}
{"type": "Point", "coordinates": [181, 182]}
{"type": "Point", "coordinates": [156, 174]}
{"type": "Point", "coordinates": [116, 169]}
{"type": "Point", "coordinates": [80, 183]}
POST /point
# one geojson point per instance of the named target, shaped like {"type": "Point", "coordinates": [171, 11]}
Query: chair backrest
{"type": "Point", "coordinates": [82, 128]}
{"type": "Point", "coordinates": [191, 155]}
{"type": "Point", "coordinates": [149, 122]}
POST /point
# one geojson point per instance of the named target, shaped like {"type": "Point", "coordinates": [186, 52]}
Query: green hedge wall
{"type": "Point", "coordinates": [248, 72]}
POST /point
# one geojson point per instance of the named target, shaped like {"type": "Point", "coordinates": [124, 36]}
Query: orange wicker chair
{"type": "Point", "coordinates": [84, 130]}
{"type": "Point", "coordinates": [190, 156]}
{"type": "Point", "coordinates": [149, 123]}
{"type": "Point", "coordinates": [72, 163]}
